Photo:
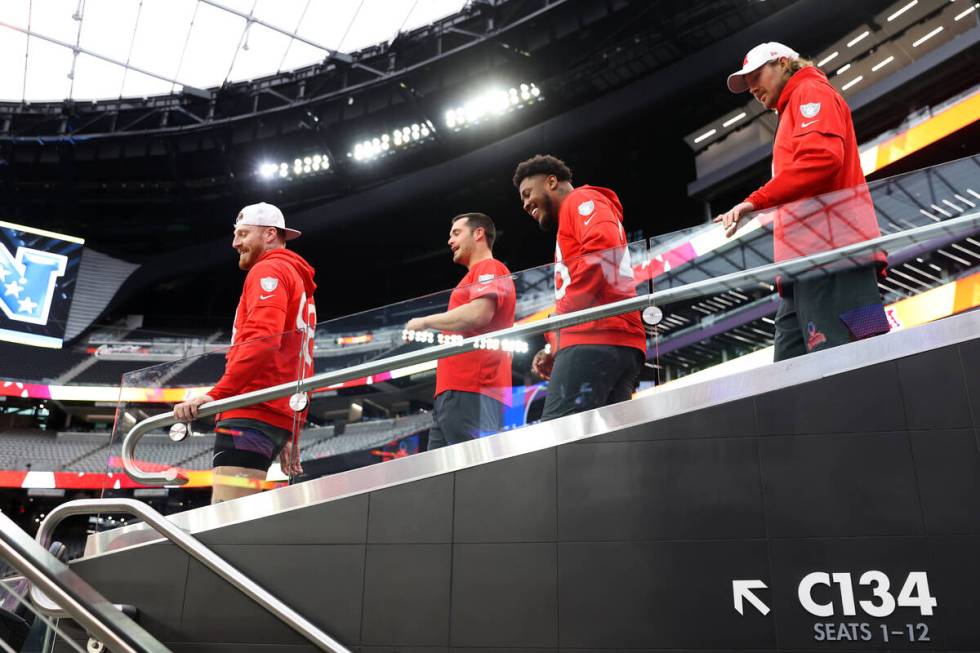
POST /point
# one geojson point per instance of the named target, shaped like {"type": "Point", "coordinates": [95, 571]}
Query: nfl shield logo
{"type": "Point", "coordinates": [483, 278]}
{"type": "Point", "coordinates": [269, 283]}
{"type": "Point", "coordinates": [810, 110]}
{"type": "Point", "coordinates": [585, 208]}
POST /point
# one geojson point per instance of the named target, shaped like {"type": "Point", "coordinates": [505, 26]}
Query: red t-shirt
{"type": "Point", "coordinates": [484, 371]}
{"type": "Point", "coordinates": [592, 267]}
{"type": "Point", "coordinates": [815, 154]}
{"type": "Point", "coordinates": [275, 317]}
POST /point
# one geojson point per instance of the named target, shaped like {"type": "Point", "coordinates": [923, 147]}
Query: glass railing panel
{"type": "Point", "coordinates": [716, 294]}
{"type": "Point", "coordinates": [189, 447]}
{"type": "Point", "coordinates": [388, 412]}
{"type": "Point", "coordinates": [925, 223]}
{"type": "Point", "coordinates": [411, 391]}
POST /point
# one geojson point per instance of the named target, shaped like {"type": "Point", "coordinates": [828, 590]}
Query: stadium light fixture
{"type": "Point", "coordinates": [928, 36]}
{"type": "Point", "coordinates": [902, 10]}
{"type": "Point", "coordinates": [309, 164]}
{"type": "Point", "coordinates": [268, 170]}
{"type": "Point", "coordinates": [851, 83]}
{"type": "Point", "coordinates": [707, 134]}
{"type": "Point", "coordinates": [881, 64]}
{"type": "Point", "coordinates": [393, 141]}
{"type": "Point", "coordinates": [830, 57]}
{"type": "Point", "coordinates": [963, 14]}
{"type": "Point", "coordinates": [857, 39]}
{"type": "Point", "coordinates": [492, 103]}
{"type": "Point", "coordinates": [731, 121]}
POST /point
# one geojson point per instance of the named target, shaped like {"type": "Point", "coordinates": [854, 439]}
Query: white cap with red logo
{"type": "Point", "coordinates": [265, 215]}
{"type": "Point", "coordinates": [756, 58]}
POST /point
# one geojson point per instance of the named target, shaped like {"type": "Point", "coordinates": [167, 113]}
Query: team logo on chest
{"type": "Point", "coordinates": [810, 110]}
{"type": "Point", "coordinates": [586, 208]}
{"type": "Point", "coordinates": [269, 283]}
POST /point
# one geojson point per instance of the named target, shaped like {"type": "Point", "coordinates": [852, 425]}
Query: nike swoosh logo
{"type": "Point", "coordinates": [265, 296]}
{"type": "Point", "coordinates": [586, 223]}
{"type": "Point", "coordinates": [807, 124]}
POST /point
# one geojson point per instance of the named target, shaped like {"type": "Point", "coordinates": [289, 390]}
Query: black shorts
{"type": "Point", "coordinates": [589, 376]}
{"type": "Point", "coordinates": [827, 311]}
{"type": "Point", "coordinates": [249, 443]}
{"type": "Point", "coordinates": [462, 416]}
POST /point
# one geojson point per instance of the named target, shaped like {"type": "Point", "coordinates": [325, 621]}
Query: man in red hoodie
{"type": "Point", "coordinates": [815, 155]}
{"type": "Point", "coordinates": [272, 343]}
{"type": "Point", "coordinates": [596, 363]}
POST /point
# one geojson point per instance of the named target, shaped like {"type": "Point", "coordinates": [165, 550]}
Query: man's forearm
{"type": "Point", "coordinates": [474, 315]}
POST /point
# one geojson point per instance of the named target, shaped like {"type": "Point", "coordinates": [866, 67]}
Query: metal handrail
{"type": "Point", "coordinates": [195, 549]}
{"type": "Point", "coordinates": [965, 224]}
{"type": "Point", "coordinates": [76, 598]}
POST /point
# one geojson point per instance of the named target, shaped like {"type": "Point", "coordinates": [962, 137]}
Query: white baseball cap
{"type": "Point", "coordinates": [756, 58]}
{"type": "Point", "coordinates": [266, 215]}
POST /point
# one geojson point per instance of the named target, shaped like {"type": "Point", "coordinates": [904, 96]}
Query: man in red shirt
{"type": "Point", "coordinates": [272, 341]}
{"type": "Point", "coordinates": [596, 363]}
{"type": "Point", "coordinates": [472, 388]}
{"type": "Point", "coordinates": [815, 154]}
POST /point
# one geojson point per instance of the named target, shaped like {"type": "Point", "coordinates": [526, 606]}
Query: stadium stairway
{"type": "Point", "coordinates": [707, 517]}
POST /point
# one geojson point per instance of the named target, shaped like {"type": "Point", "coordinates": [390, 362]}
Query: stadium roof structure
{"type": "Point", "coordinates": [103, 49]}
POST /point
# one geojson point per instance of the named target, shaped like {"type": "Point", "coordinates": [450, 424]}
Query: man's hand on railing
{"type": "Point", "coordinates": [733, 216]}
{"type": "Point", "coordinates": [289, 459]}
{"type": "Point", "coordinates": [416, 324]}
{"type": "Point", "coordinates": [186, 411]}
{"type": "Point", "coordinates": [543, 361]}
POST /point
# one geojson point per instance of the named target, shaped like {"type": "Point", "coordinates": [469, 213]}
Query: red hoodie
{"type": "Point", "coordinates": [815, 154]}
{"type": "Point", "coordinates": [592, 267]}
{"type": "Point", "coordinates": [275, 316]}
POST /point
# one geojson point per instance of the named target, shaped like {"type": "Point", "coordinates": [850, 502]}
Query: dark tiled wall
{"type": "Point", "coordinates": [625, 541]}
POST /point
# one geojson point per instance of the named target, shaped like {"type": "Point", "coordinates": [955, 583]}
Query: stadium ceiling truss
{"type": "Point", "coordinates": [407, 70]}
{"type": "Point", "coordinates": [338, 79]}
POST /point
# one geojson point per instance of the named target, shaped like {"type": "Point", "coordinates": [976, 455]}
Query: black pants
{"type": "Point", "coordinates": [589, 376]}
{"type": "Point", "coordinates": [243, 442]}
{"type": "Point", "coordinates": [462, 416]}
{"type": "Point", "coordinates": [828, 311]}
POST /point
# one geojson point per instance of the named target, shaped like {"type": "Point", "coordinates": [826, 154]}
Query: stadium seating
{"type": "Point", "coordinates": [22, 363]}
{"type": "Point", "coordinates": [203, 371]}
{"type": "Point", "coordinates": [107, 372]}
{"type": "Point", "coordinates": [96, 452]}
{"type": "Point", "coordinates": [45, 452]}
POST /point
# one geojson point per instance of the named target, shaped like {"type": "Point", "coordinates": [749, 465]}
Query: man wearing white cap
{"type": "Point", "coordinates": [815, 154]}
{"type": "Point", "coordinates": [272, 341]}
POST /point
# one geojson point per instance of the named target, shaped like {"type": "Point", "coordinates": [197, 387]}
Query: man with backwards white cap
{"type": "Point", "coordinates": [815, 153]}
{"type": "Point", "coordinates": [272, 342]}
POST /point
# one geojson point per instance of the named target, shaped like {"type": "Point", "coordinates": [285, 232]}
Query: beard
{"type": "Point", "coordinates": [247, 259]}
{"type": "Point", "coordinates": [549, 221]}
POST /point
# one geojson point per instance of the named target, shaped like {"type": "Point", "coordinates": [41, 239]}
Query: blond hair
{"type": "Point", "coordinates": [798, 63]}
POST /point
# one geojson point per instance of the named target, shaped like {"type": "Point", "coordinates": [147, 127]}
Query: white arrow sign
{"type": "Point", "coordinates": [742, 589]}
